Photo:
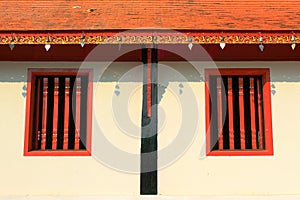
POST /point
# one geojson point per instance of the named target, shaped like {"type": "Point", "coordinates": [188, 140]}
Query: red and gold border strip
{"type": "Point", "coordinates": [149, 38]}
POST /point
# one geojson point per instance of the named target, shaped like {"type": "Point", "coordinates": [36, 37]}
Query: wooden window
{"type": "Point", "coordinates": [238, 112]}
{"type": "Point", "coordinates": [58, 112]}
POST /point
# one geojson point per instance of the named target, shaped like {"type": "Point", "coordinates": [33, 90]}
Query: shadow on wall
{"type": "Point", "coordinates": [280, 71]}
{"type": "Point", "coordinates": [132, 72]}
{"type": "Point", "coordinates": [167, 73]}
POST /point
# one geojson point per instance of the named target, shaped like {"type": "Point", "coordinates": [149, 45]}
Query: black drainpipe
{"type": "Point", "coordinates": [148, 176]}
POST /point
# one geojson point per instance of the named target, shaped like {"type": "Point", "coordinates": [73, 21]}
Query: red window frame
{"type": "Point", "coordinates": [32, 73]}
{"type": "Point", "coordinates": [267, 114]}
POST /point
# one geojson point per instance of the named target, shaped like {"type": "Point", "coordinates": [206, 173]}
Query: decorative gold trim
{"type": "Point", "coordinates": [150, 39]}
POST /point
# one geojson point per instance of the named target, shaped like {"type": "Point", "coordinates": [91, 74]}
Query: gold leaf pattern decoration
{"type": "Point", "coordinates": [147, 38]}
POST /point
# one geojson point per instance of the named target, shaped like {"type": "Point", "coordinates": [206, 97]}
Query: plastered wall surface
{"type": "Point", "coordinates": [195, 174]}
{"type": "Point", "coordinates": [63, 175]}
{"type": "Point", "coordinates": [184, 168]}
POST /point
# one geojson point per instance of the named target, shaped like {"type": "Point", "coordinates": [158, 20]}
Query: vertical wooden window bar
{"type": "Point", "coordinates": [237, 113]}
{"type": "Point", "coordinates": [59, 118]}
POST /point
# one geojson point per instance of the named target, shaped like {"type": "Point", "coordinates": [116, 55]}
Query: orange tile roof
{"type": "Point", "coordinates": [225, 15]}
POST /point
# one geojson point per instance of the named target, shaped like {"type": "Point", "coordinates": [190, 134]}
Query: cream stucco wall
{"type": "Point", "coordinates": [184, 169]}
{"type": "Point", "coordinates": [66, 175]}
{"type": "Point", "coordinates": [194, 174]}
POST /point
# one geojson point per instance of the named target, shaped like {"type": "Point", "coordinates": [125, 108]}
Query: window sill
{"type": "Point", "coordinates": [241, 153]}
{"type": "Point", "coordinates": [57, 153]}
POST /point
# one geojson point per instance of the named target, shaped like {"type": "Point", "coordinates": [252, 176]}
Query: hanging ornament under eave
{"type": "Point", "coordinates": [11, 46]}
{"type": "Point", "coordinates": [82, 43]}
{"type": "Point", "coordinates": [47, 47]}
{"type": "Point", "coordinates": [293, 46]}
{"type": "Point", "coordinates": [293, 38]}
{"type": "Point", "coordinates": [120, 39]}
{"type": "Point", "coordinates": [222, 45]}
{"type": "Point", "coordinates": [190, 45]}
{"type": "Point", "coordinates": [261, 47]}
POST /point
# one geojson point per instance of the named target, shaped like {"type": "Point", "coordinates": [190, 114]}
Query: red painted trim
{"type": "Point", "coordinates": [58, 153]}
{"type": "Point", "coordinates": [89, 112]}
{"type": "Point", "coordinates": [236, 71]}
{"type": "Point", "coordinates": [242, 114]}
{"type": "Point", "coordinates": [241, 153]}
{"type": "Point", "coordinates": [66, 114]}
{"type": "Point", "coordinates": [252, 114]}
{"type": "Point", "coordinates": [170, 52]}
{"type": "Point", "coordinates": [260, 118]}
{"type": "Point", "coordinates": [33, 72]}
{"type": "Point", "coordinates": [55, 113]}
{"type": "Point", "coordinates": [230, 114]}
{"type": "Point", "coordinates": [267, 111]}
{"type": "Point", "coordinates": [149, 32]}
{"type": "Point", "coordinates": [44, 116]}
{"type": "Point", "coordinates": [265, 73]}
{"type": "Point", "coordinates": [207, 113]}
{"type": "Point", "coordinates": [37, 133]}
{"type": "Point", "coordinates": [77, 120]}
{"type": "Point", "coordinates": [28, 115]}
{"type": "Point", "coordinates": [220, 118]}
